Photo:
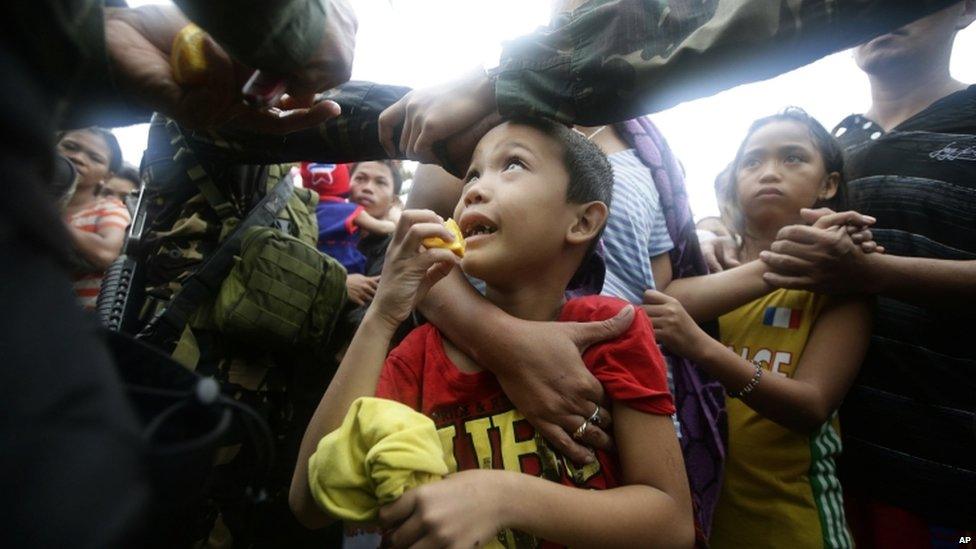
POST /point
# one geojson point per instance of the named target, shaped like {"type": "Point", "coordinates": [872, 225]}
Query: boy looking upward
{"type": "Point", "coordinates": [534, 202]}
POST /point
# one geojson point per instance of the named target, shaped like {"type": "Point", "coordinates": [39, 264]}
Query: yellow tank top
{"type": "Point", "coordinates": [781, 487]}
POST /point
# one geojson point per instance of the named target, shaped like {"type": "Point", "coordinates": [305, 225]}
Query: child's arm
{"type": "Point", "coordinates": [100, 248]}
{"type": "Point", "coordinates": [372, 225]}
{"type": "Point", "coordinates": [827, 367]}
{"type": "Point", "coordinates": [407, 275]}
{"type": "Point", "coordinates": [652, 509]}
{"type": "Point", "coordinates": [710, 296]}
{"type": "Point", "coordinates": [661, 270]}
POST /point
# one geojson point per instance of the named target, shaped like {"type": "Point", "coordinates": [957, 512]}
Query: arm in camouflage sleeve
{"type": "Point", "coordinates": [311, 41]}
{"type": "Point", "coordinates": [349, 138]}
{"type": "Point", "coordinates": [614, 60]}
{"type": "Point", "coordinates": [621, 59]}
{"type": "Point", "coordinates": [280, 34]}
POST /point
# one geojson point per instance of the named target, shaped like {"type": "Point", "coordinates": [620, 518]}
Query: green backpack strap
{"type": "Point", "coordinates": [198, 175]}
{"type": "Point", "coordinates": [167, 324]}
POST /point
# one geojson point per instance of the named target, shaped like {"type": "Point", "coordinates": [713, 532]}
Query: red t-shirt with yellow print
{"type": "Point", "coordinates": [480, 428]}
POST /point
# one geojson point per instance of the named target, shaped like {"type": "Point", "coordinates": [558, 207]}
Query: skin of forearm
{"type": "Point", "coordinates": [710, 296]}
{"type": "Point", "coordinates": [791, 403]}
{"type": "Point", "coordinates": [626, 516]}
{"type": "Point", "coordinates": [435, 190]}
{"type": "Point", "coordinates": [370, 224]}
{"type": "Point", "coordinates": [96, 249]}
{"type": "Point", "coordinates": [942, 283]}
{"type": "Point", "coordinates": [471, 322]}
{"type": "Point", "coordinates": [356, 377]}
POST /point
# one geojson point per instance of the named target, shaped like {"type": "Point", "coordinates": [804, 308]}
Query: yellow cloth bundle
{"type": "Point", "coordinates": [382, 449]}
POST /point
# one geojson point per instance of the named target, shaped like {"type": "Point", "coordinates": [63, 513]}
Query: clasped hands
{"type": "Point", "coordinates": [831, 254]}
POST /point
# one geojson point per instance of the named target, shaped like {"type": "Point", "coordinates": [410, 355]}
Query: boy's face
{"type": "Point", "coordinates": [513, 210]}
{"type": "Point", "coordinates": [371, 186]}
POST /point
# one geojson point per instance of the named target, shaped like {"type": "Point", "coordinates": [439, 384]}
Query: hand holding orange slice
{"type": "Point", "coordinates": [457, 246]}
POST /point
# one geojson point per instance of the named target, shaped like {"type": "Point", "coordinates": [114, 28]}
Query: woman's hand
{"type": "Point", "coordinates": [673, 326]}
{"type": "Point", "coordinates": [410, 269]}
{"type": "Point", "coordinates": [361, 288]}
{"type": "Point", "coordinates": [463, 510]}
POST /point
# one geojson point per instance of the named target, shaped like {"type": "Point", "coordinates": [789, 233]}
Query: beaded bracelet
{"type": "Point", "coordinates": [751, 386]}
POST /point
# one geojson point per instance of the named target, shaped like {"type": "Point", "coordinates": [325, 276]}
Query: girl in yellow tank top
{"type": "Point", "coordinates": [786, 357]}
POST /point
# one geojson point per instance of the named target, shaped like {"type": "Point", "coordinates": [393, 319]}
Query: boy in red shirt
{"type": "Point", "coordinates": [534, 204]}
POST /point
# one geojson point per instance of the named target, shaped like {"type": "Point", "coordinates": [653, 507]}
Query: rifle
{"type": "Point", "coordinates": [123, 287]}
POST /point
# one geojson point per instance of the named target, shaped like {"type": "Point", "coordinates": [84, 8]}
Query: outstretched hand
{"type": "Point", "coordinates": [441, 121]}
{"type": "Point", "coordinates": [856, 224]}
{"type": "Point", "coordinates": [721, 252]}
{"type": "Point", "coordinates": [139, 43]}
{"type": "Point", "coordinates": [552, 387]}
{"type": "Point", "coordinates": [361, 288]}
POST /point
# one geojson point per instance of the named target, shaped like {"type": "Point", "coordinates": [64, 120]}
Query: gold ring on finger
{"type": "Point", "coordinates": [595, 416]}
{"type": "Point", "coordinates": [578, 434]}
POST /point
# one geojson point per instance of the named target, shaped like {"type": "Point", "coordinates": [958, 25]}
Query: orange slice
{"type": "Point", "coordinates": [187, 58]}
{"type": "Point", "coordinates": [457, 246]}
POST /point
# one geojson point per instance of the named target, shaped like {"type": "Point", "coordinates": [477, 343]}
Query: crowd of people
{"type": "Point", "coordinates": [269, 344]}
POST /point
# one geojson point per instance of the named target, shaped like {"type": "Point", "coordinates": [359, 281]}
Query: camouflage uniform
{"type": "Point", "coordinates": [73, 457]}
{"type": "Point", "coordinates": [185, 229]}
{"type": "Point", "coordinates": [614, 60]}
{"type": "Point", "coordinates": [283, 384]}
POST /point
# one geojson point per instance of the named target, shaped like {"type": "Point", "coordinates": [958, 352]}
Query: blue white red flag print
{"type": "Point", "coordinates": [782, 317]}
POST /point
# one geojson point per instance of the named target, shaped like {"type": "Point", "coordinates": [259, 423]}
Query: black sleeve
{"type": "Point", "coordinates": [72, 463]}
{"type": "Point", "coordinates": [351, 137]}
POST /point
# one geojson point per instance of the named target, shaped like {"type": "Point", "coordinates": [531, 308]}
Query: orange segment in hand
{"type": "Point", "coordinates": [457, 246]}
{"type": "Point", "coordinates": [187, 57]}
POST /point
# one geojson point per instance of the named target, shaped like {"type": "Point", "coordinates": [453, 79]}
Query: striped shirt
{"type": "Point", "coordinates": [636, 229]}
{"type": "Point", "coordinates": [908, 420]}
{"type": "Point", "coordinates": [104, 212]}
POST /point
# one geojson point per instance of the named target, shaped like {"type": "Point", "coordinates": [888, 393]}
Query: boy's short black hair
{"type": "Point", "coordinates": [590, 174]}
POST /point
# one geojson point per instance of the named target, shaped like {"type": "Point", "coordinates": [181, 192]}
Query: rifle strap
{"type": "Point", "coordinates": [167, 325]}
{"type": "Point", "coordinates": [198, 175]}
